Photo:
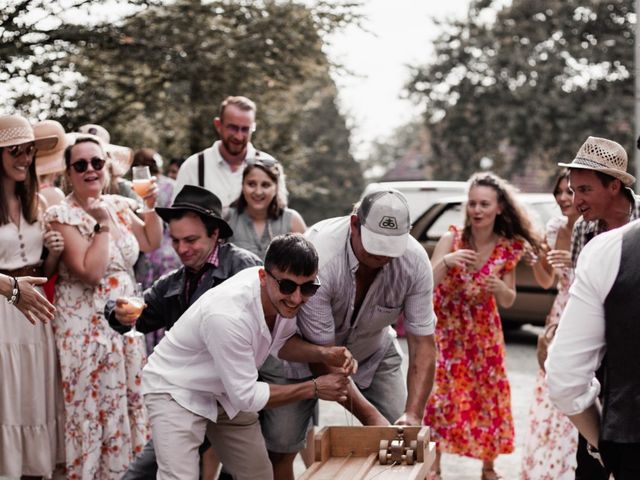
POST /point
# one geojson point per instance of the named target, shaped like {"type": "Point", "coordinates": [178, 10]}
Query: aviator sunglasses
{"type": "Point", "coordinates": [82, 165]}
{"type": "Point", "coordinates": [18, 150]}
{"type": "Point", "coordinates": [287, 287]}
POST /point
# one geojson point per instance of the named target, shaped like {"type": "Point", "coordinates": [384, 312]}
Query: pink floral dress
{"type": "Point", "coordinates": [101, 418]}
{"type": "Point", "coordinates": [470, 406]}
{"type": "Point", "coordinates": [551, 440]}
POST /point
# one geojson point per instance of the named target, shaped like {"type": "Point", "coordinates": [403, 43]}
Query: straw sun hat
{"type": "Point", "coordinates": [602, 155]}
{"type": "Point", "coordinates": [16, 130]}
{"type": "Point", "coordinates": [51, 161]}
{"type": "Point", "coordinates": [120, 157]}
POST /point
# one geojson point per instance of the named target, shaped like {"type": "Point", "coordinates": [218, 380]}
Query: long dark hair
{"type": "Point", "coordinates": [563, 174]}
{"type": "Point", "coordinates": [513, 221]}
{"type": "Point", "coordinates": [27, 193]}
{"type": "Point", "coordinates": [277, 205]}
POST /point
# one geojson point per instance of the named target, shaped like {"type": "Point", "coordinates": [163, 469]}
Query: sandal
{"type": "Point", "coordinates": [490, 474]}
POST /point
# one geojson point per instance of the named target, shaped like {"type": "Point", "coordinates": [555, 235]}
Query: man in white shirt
{"type": "Point", "coordinates": [203, 376]}
{"type": "Point", "coordinates": [219, 168]}
{"type": "Point", "coordinates": [372, 271]}
{"type": "Point", "coordinates": [601, 318]}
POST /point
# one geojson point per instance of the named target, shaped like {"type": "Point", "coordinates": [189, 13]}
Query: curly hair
{"type": "Point", "coordinates": [513, 221]}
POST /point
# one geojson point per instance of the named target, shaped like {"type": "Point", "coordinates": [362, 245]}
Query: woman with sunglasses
{"type": "Point", "coordinates": [260, 212]}
{"type": "Point", "coordinates": [31, 421]}
{"type": "Point", "coordinates": [103, 237]}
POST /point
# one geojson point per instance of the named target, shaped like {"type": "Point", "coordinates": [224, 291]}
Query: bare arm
{"type": "Point", "coordinates": [588, 423]}
{"type": "Point", "coordinates": [147, 232]}
{"type": "Point", "coordinates": [298, 350]}
{"type": "Point", "coordinates": [443, 258]}
{"type": "Point", "coordinates": [543, 272]}
{"type": "Point", "coordinates": [297, 223]}
{"type": "Point", "coordinates": [420, 376]}
{"type": "Point", "coordinates": [332, 387]}
{"type": "Point", "coordinates": [503, 289]}
{"type": "Point", "coordinates": [33, 305]}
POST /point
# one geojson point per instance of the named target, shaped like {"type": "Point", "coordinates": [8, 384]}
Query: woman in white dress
{"type": "Point", "coordinates": [31, 419]}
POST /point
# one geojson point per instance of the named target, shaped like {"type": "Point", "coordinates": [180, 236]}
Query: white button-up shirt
{"type": "Point", "coordinates": [405, 284]}
{"type": "Point", "coordinates": [579, 344]}
{"type": "Point", "coordinates": [213, 352]}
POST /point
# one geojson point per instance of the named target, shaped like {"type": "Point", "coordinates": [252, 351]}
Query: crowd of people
{"type": "Point", "coordinates": [251, 317]}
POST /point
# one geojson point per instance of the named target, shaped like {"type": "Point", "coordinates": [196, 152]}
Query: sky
{"type": "Point", "coordinates": [400, 34]}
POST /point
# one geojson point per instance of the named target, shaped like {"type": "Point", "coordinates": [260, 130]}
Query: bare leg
{"type": "Point", "coordinates": [282, 465]}
{"type": "Point", "coordinates": [307, 453]}
{"type": "Point", "coordinates": [210, 464]}
{"type": "Point", "coordinates": [488, 471]}
{"type": "Point", "coordinates": [434, 473]}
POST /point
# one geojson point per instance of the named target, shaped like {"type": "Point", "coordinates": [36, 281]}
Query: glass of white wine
{"type": "Point", "coordinates": [141, 183]}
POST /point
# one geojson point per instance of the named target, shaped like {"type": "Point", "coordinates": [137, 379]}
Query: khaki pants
{"type": "Point", "coordinates": [177, 434]}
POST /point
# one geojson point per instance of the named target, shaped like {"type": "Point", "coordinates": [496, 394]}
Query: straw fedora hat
{"type": "Point", "coordinates": [16, 130]}
{"type": "Point", "coordinates": [50, 161]}
{"type": "Point", "coordinates": [602, 155]}
{"type": "Point", "coordinates": [121, 157]}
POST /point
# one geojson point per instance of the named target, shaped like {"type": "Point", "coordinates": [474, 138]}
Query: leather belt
{"type": "Point", "coordinates": [27, 271]}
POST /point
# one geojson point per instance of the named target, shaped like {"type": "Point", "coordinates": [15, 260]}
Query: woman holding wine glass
{"type": "Point", "coordinates": [102, 239]}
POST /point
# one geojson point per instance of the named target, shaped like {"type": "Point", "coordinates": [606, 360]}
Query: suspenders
{"type": "Point", "coordinates": [201, 169]}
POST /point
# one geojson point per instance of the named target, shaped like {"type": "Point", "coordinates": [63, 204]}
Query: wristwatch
{"type": "Point", "coordinates": [100, 228]}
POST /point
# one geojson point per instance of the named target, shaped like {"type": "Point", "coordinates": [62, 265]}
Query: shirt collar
{"type": "Point", "coordinates": [251, 152]}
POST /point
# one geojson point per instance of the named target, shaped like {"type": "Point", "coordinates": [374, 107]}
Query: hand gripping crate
{"type": "Point", "coordinates": [371, 453]}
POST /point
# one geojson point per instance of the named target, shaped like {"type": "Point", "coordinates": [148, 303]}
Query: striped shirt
{"type": "Point", "coordinates": [404, 285]}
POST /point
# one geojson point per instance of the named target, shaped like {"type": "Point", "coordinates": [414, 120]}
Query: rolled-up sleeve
{"type": "Point", "coordinates": [419, 316]}
{"type": "Point", "coordinates": [579, 344]}
{"type": "Point", "coordinates": [234, 359]}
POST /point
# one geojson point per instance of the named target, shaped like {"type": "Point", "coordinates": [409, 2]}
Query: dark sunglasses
{"type": "Point", "coordinates": [18, 150]}
{"type": "Point", "coordinates": [287, 287]}
{"type": "Point", "coordinates": [82, 165]}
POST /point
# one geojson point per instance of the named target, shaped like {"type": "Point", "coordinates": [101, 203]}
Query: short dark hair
{"type": "Point", "coordinates": [210, 224]}
{"type": "Point", "coordinates": [176, 161]}
{"type": "Point", "coordinates": [606, 179]}
{"type": "Point", "coordinates": [292, 253]}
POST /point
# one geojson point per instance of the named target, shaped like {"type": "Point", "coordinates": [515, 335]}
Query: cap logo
{"type": "Point", "coordinates": [389, 223]}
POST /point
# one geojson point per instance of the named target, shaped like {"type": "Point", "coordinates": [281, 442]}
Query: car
{"type": "Point", "coordinates": [420, 194]}
{"type": "Point", "coordinates": [532, 302]}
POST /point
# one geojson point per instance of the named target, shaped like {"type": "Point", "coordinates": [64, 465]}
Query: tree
{"type": "Point", "coordinates": [156, 76]}
{"type": "Point", "coordinates": [527, 86]}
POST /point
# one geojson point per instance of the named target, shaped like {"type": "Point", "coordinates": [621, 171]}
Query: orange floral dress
{"type": "Point", "coordinates": [470, 406]}
{"type": "Point", "coordinates": [104, 425]}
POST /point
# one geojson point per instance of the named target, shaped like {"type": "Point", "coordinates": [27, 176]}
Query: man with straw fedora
{"type": "Point", "coordinates": [602, 194]}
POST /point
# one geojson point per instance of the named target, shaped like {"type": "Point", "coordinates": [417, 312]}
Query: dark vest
{"type": "Point", "coordinates": [621, 383]}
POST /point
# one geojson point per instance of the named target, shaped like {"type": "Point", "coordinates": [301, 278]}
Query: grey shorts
{"type": "Point", "coordinates": [285, 428]}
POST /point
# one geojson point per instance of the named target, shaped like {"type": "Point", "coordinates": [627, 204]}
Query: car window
{"type": "Point", "coordinates": [541, 212]}
{"type": "Point", "coordinates": [452, 215]}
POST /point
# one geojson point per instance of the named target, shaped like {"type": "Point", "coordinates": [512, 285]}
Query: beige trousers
{"type": "Point", "coordinates": [177, 434]}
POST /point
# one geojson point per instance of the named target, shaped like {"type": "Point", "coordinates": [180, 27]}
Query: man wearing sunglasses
{"type": "Point", "coordinates": [202, 378]}
{"type": "Point", "coordinates": [372, 271]}
{"type": "Point", "coordinates": [219, 167]}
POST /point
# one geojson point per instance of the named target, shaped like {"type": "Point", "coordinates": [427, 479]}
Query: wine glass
{"type": "Point", "coordinates": [141, 184]}
{"type": "Point", "coordinates": [135, 303]}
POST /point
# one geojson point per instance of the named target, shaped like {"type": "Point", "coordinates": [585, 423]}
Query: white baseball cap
{"type": "Point", "coordinates": [384, 217]}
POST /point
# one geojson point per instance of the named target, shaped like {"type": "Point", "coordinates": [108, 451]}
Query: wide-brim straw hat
{"type": "Point", "coordinates": [50, 161]}
{"type": "Point", "coordinates": [602, 155]}
{"type": "Point", "coordinates": [16, 130]}
{"type": "Point", "coordinates": [120, 157]}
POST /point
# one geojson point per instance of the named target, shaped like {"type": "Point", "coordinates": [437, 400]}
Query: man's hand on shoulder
{"type": "Point", "coordinates": [408, 419]}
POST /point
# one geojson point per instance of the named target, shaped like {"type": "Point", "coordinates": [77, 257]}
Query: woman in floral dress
{"type": "Point", "coordinates": [102, 239]}
{"type": "Point", "coordinates": [552, 440]}
{"type": "Point", "coordinates": [470, 406]}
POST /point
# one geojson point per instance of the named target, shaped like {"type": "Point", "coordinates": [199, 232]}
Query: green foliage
{"type": "Point", "coordinates": [527, 86]}
{"type": "Point", "coordinates": [156, 77]}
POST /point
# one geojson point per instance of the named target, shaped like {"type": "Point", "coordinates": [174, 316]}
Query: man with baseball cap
{"type": "Point", "coordinates": [372, 271]}
{"type": "Point", "coordinates": [602, 194]}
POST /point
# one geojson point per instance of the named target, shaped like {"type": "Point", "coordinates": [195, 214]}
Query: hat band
{"type": "Point", "coordinates": [16, 133]}
{"type": "Point", "coordinates": [593, 163]}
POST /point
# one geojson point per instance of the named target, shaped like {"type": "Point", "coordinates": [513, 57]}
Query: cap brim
{"type": "Point", "coordinates": [384, 245]}
{"type": "Point", "coordinates": [169, 213]}
{"type": "Point", "coordinates": [624, 177]}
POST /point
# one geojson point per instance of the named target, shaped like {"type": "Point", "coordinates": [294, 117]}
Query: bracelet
{"type": "Point", "coordinates": [315, 388]}
{"type": "Point", "coordinates": [15, 292]}
{"type": "Point", "coordinates": [444, 260]}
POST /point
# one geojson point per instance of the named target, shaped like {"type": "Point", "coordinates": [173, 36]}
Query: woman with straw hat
{"type": "Point", "coordinates": [50, 164]}
{"type": "Point", "coordinates": [31, 421]}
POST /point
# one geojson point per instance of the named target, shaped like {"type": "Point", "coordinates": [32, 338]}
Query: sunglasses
{"type": "Point", "coordinates": [17, 150]}
{"type": "Point", "coordinates": [287, 287]}
{"type": "Point", "coordinates": [235, 129]}
{"type": "Point", "coordinates": [265, 162]}
{"type": "Point", "coordinates": [82, 165]}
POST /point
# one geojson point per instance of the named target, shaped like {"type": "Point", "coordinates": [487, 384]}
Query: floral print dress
{"type": "Point", "coordinates": [551, 441]}
{"type": "Point", "coordinates": [101, 417]}
{"type": "Point", "coordinates": [470, 406]}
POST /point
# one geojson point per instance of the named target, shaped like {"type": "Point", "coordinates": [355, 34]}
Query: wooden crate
{"type": "Point", "coordinates": [351, 453]}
